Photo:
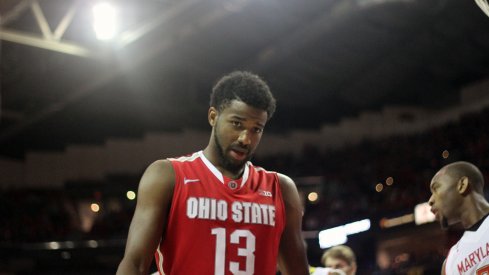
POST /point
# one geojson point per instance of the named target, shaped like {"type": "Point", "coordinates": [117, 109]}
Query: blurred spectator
{"type": "Point", "coordinates": [340, 257]}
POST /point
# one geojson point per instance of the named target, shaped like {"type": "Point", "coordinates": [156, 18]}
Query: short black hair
{"type": "Point", "coordinates": [466, 169]}
{"type": "Point", "coordinates": [243, 86]}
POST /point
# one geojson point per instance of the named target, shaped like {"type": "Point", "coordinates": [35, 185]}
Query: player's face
{"type": "Point", "coordinates": [445, 200]}
{"type": "Point", "coordinates": [340, 264]}
{"type": "Point", "coordinates": [237, 132]}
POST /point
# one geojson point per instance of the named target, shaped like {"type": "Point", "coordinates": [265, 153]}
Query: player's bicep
{"type": "Point", "coordinates": [292, 254]}
{"type": "Point", "coordinates": [150, 217]}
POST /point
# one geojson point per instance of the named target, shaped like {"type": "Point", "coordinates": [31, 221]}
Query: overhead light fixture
{"type": "Point", "coordinates": [104, 20]}
{"type": "Point", "coordinates": [131, 195]}
{"type": "Point", "coordinates": [339, 235]}
{"type": "Point", "coordinates": [423, 214]}
{"type": "Point", "coordinates": [388, 223]}
{"type": "Point", "coordinates": [313, 197]}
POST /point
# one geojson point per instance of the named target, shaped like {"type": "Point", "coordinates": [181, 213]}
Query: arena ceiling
{"type": "Point", "coordinates": [324, 60]}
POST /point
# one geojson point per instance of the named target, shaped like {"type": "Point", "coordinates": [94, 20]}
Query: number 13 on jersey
{"type": "Point", "coordinates": [247, 252]}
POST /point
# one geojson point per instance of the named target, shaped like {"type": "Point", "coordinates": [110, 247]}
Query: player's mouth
{"type": "Point", "coordinates": [239, 154]}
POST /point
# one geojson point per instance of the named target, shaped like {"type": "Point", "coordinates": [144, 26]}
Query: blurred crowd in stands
{"type": "Point", "coordinates": [351, 174]}
{"type": "Point", "coordinates": [347, 189]}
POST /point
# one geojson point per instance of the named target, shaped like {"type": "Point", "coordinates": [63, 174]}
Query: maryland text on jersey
{"type": "Point", "coordinates": [474, 258]}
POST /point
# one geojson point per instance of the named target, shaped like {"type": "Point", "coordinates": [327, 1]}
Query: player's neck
{"type": "Point", "coordinates": [212, 155]}
{"type": "Point", "coordinates": [477, 209]}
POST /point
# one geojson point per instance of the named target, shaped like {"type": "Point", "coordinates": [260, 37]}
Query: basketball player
{"type": "Point", "coordinates": [214, 212]}
{"type": "Point", "coordinates": [457, 197]}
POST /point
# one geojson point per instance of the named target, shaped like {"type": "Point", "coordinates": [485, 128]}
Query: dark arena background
{"type": "Point", "coordinates": [374, 96]}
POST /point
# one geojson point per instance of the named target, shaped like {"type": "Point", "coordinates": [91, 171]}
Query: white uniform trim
{"type": "Point", "coordinates": [160, 256]}
{"type": "Point", "coordinates": [186, 158]}
{"type": "Point", "coordinates": [218, 173]}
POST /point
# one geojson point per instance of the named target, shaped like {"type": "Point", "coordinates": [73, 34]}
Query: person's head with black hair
{"type": "Point", "coordinates": [240, 106]}
{"type": "Point", "coordinates": [243, 86]}
{"type": "Point", "coordinates": [457, 195]}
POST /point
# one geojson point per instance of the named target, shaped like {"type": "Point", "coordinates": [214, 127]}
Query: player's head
{"type": "Point", "coordinates": [449, 188]}
{"type": "Point", "coordinates": [243, 86]}
{"type": "Point", "coordinates": [240, 106]}
{"type": "Point", "coordinates": [340, 257]}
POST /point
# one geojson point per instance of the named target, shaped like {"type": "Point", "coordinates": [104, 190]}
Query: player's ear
{"type": "Point", "coordinates": [354, 268]}
{"type": "Point", "coordinates": [463, 185]}
{"type": "Point", "coordinates": [212, 116]}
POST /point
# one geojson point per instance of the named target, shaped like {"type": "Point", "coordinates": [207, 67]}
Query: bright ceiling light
{"type": "Point", "coordinates": [131, 195]}
{"type": "Point", "coordinates": [331, 237]}
{"type": "Point", "coordinates": [313, 196]}
{"type": "Point", "coordinates": [95, 207]}
{"type": "Point", "coordinates": [423, 214]}
{"type": "Point", "coordinates": [338, 235]}
{"type": "Point", "coordinates": [104, 20]}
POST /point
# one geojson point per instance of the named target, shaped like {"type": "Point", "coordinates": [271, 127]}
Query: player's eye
{"type": "Point", "coordinates": [258, 130]}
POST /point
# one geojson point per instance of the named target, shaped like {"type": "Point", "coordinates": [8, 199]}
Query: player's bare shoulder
{"type": "Point", "coordinates": [287, 186]}
{"type": "Point", "coordinates": [285, 181]}
{"type": "Point", "coordinates": [158, 179]}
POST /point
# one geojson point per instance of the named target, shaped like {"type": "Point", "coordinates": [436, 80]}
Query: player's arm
{"type": "Point", "coordinates": [443, 267]}
{"type": "Point", "coordinates": [150, 217]}
{"type": "Point", "coordinates": [292, 251]}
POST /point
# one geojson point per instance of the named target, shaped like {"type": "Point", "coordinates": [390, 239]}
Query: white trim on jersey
{"type": "Point", "coordinates": [218, 173]}
{"type": "Point", "coordinates": [257, 168]}
{"type": "Point", "coordinates": [211, 167]}
{"type": "Point", "coordinates": [192, 157]}
{"type": "Point", "coordinates": [160, 256]}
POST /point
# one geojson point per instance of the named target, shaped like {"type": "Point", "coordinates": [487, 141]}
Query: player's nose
{"type": "Point", "coordinates": [244, 137]}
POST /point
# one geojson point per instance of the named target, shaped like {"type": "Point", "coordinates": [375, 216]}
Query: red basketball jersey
{"type": "Point", "coordinates": [220, 226]}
